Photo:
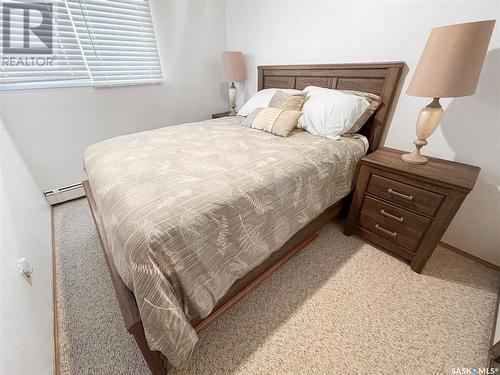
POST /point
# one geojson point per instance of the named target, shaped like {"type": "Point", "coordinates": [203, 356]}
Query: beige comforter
{"type": "Point", "coordinates": [190, 209]}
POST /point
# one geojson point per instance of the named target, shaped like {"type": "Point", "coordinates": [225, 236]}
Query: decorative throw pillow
{"type": "Point", "coordinates": [277, 121]}
{"type": "Point", "coordinates": [374, 101]}
{"type": "Point", "coordinates": [261, 99]}
{"type": "Point", "coordinates": [293, 101]}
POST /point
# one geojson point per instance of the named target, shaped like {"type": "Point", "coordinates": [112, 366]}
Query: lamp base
{"type": "Point", "coordinates": [415, 157]}
{"type": "Point", "coordinates": [232, 100]}
{"type": "Point", "coordinates": [428, 120]}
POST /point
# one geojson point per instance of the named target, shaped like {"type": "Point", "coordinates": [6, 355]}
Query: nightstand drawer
{"type": "Point", "coordinates": [408, 196]}
{"type": "Point", "coordinates": [402, 219]}
{"type": "Point", "coordinates": [388, 229]}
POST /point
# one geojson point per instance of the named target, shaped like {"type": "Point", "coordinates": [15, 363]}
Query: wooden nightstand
{"type": "Point", "coordinates": [406, 208]}
{"type": "Point", "coordinates": [219, 115]}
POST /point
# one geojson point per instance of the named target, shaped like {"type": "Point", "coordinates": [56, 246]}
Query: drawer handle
{"type": "Point", "coordinates": [400, 195]}
{"type": "Point", "coordinates": [383, 230]}
{"type": "Point", "coordinates": [391, 216]}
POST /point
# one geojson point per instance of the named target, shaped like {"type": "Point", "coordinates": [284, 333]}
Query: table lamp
{"type": "Point", "coordinates": [233, 70]}
{"type": "Point", "coordinates": [449, 67]}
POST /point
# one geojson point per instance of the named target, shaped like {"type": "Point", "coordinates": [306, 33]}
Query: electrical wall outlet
{"type": "Point", "coordinates": [25, 269]}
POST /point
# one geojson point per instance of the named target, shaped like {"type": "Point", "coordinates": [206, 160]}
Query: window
{"type": "Point", "coordinates": [118, 40]}
{"type": "Point", "coordinates": [94, 42]}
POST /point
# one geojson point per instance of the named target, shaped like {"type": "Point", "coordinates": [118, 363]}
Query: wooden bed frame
{"type": "Point", "coordinates": [377, 78]}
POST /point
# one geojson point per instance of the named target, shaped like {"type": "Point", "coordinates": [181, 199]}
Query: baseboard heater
{"type": "Point", "coordinates": [64, 194]}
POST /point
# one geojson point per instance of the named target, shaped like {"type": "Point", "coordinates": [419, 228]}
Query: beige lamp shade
{"type": "Point", "coordinates": [233, 67]}
{"type": "Point", "coordinates": [452, 60]}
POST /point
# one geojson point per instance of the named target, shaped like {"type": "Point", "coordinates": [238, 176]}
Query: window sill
{"type": "Point", "coordinates": [46, 85]}
{"type": "Point", "coordinates": [75, 83]}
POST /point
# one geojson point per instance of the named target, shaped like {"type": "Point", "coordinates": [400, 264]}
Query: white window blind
{"type": "Point", "coordinates": [95, 42]}
{"type": "Point", "coordinates": [118, 40]}
{"type": "Point", "coordinates": [67, 64]}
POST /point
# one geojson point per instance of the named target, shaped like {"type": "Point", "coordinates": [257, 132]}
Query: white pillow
{"type": "Point", "coordinates": [330, 113]}
{"type": "Point", "coordinates": [262, 99]}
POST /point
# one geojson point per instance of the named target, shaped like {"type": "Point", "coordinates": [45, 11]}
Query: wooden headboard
{"type": "Point", "coordinates": [377, 78]}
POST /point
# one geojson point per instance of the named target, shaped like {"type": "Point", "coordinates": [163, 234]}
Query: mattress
{"type": "Point", "coordinates": [189, 209]}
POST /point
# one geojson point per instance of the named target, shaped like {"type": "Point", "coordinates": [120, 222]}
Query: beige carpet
{"type": "Point", "coordinates": [339, 307]}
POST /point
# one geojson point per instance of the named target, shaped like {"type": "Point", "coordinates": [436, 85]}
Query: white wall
{"type": "Point", "coordinates": [278, 32]}
{"type": "Point", "coordinates": [26, 320]}
{"type": "Point", "coordinates": [52, 127]}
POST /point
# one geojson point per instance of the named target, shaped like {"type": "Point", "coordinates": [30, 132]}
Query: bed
{"type": "Point", "coordinates": [193, 217]}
